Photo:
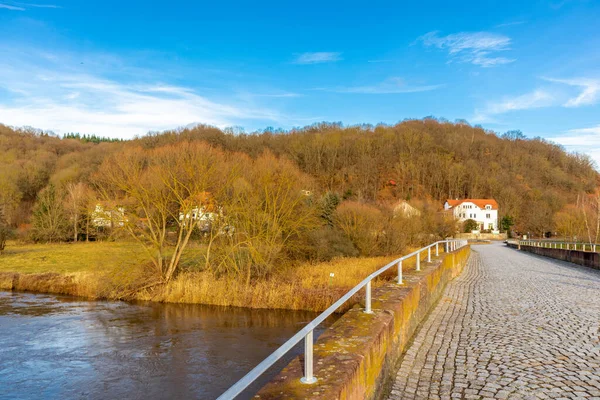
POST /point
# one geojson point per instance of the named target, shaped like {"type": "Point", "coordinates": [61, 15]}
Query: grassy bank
{"type": "Point", "coordinates": [96, 270]}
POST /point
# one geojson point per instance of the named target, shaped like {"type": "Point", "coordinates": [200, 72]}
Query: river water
{"type": "Point", "coordinates": [59, 347]}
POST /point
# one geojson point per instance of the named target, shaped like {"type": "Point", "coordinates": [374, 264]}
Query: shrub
{"type": "Point", "coordinates": [326, 243]}
{"type": "Point", "coordinates": [470, 225]}
{"type": "Point", "coordinates": [361, 223]}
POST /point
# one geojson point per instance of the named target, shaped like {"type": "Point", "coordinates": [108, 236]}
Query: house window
{"type": "Point", "coordinates": [488, 207]}
{"type": "Point", "coordinates": [491, 226]}
{"type": "Point", "coordinates": [488, 216]}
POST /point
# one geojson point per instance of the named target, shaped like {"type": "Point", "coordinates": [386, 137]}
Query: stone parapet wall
{"type": "Point", "coordinates": [481, 236]}
{"type": "Point", "coordinates": [355, 357]}
{"type": "Point", "coordinates": [585, 258]}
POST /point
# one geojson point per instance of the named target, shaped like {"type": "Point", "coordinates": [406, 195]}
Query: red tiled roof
{"type": "Point", "coordinates": [481, 203]}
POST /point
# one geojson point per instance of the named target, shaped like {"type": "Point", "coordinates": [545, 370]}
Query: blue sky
{"type": "Point", "coordinates": [119, 68]}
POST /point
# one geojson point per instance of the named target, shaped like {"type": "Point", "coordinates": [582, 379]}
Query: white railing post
{"type": "Point", "coordinates": [308, 359]}
{"type": "Point", "coordinates": [429, 254]}
{"type": "Point", "coordinates": [418, 261]}
{"type": "Point", "coordinates": [368, 298]}
{"type": "Point", "coordinates": [446, 247]}
{"type": "Point", "coordinates": [400, 272]}
{"type": "Point", "coordinates": [594, 248]}
{"type": "Point", "coordinates": [437, 250]}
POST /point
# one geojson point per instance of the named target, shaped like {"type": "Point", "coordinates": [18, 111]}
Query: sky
{"type": "Point", "coordinates": [124, 68]}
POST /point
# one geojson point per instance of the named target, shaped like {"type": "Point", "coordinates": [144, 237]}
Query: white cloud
{"type": "Point", "coordinates": [276, 95]}
{"type": "Point", "coordinates": [45, 94]}
{"type": "Point", "coordinates": [318, 57]}
{"type": "Point", "coordinates": [536, 99]}
{"type": "Point", "coordinates": [581, 137]}
{"type": "Point", "coordinates": [9, 7]}
{"type": "Point", "coordinates": [583, 140]}
{"type": "Point", "coordinates": [590, 90]}
{"type": "Point", "coordinates": [506, 24]}
{"type": "Point", "coordinates": [389, 86]}
{"type": "Point", "coordinates": [473, 47]}
{"type": "Point", "coordinates": [18, 6]}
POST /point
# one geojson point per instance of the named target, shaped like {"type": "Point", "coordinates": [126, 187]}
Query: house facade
{"type": "Point", "coordinates": [482, 211]}
{"type": "Point", "coordinates": [108, 217]}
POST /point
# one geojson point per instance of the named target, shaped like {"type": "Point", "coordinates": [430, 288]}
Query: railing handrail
{"type": "Point", "coordinates": [554, 244]}
{"type": "Point", "coordinates": [556, 241]}
{"type": "Point", "coordinates": [306, 332]}
{"type": "Point", "coordinates": [559, 242]}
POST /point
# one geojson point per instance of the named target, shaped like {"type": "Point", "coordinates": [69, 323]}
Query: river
{"type": "Point", "coordinates": [60, 347]}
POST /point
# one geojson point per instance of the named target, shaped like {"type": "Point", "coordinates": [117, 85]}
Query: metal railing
{"type": "Point", "coordinates": [550, 244]}
{"type": "Point", "coordinates": [307, 332]}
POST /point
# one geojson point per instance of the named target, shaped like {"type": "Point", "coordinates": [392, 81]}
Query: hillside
{"type": "Point", "coordinates": [532, 179]}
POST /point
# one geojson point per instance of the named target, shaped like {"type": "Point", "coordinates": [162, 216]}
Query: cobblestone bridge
{"type": "Point", "coordinates": [512, 326]}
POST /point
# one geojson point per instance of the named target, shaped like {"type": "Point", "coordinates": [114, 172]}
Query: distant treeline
{"type": "Point", "coordinates": [90, 138]}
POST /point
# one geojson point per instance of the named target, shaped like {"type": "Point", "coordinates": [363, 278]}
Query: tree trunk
{"type": "Point", "coordinates": [75, 223]}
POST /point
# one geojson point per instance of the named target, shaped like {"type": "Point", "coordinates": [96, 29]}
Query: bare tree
{"type": "Point", "coordinates": [5, 230]}
{"type": "Point", "coordinates": [75, 204]}
{"type": "Point", "coordinates": [161, 190]}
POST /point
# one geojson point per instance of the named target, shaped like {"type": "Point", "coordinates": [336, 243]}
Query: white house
{"type": "Point", "coordinates": [108, 217]}
{"type": "Point", "coordinates": [402, 208]}
{"type": "Point", "coordinates": [201, 215]}
{"type": "Point", "coordinates": [483, 211]}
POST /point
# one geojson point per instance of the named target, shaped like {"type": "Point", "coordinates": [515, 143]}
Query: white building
{"type": "Point", "coordinates": [482, 211]}
{"type": "Point", "coordinates": [402, 208]}
{"type": "Point", "coordinates": [201, 215]}
{"type": "Point", "coordinates": [108, 217]}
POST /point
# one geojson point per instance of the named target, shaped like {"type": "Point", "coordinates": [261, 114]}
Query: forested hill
{"type": "Point", "coordinates": [532, 179]}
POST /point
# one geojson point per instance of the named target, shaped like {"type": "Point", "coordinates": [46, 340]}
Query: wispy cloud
{"type": "Point", "coordinates": [389, 86]}
{"type": "Point", "coordinates": [584, 140]}
{"type": "Point", "coordinates": [277, 95]}
{"type": "Point", "coordinates": [18, 6]}
{"type": "Point", "coordinates": [589, 94]}
{"type": "Point", "coordinates": [318, 57]}
{"type": "Point", "coordinates": [506, 24]}
{"type": "Point", "coordinates": [535, 99]}
{"type": "Point", "coordinates": [9, 7]}
{"type": "Point", "coordinates": [595, 131]}
{"type": "Point", "coordinates": [55, 95]}
{"type": "Point", "coordinates": [472, 47]}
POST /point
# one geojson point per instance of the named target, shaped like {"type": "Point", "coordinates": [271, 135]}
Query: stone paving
{"type": "Point", "coordinates": [512, 326]}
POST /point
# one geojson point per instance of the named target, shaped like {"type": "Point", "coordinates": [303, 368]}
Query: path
{"type": "Point", "coordinates": [512, 326]}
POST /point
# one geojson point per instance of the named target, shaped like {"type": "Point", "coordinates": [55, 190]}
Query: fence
{"type": "Point", "coordinates": [548, 244]}
{"type": "Point", "coordinates": [306, 333]}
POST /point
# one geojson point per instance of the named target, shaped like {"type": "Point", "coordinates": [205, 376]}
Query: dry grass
{"type": "Point", "coordinates": [101, 270]}
{"type": "Point", "coordinates": [70, 257]}
{"type": "Point", "coordinates": [307, 287]}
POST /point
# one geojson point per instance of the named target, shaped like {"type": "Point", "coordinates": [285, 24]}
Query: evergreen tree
{"type": "Point", "coordinates": [328, 204]}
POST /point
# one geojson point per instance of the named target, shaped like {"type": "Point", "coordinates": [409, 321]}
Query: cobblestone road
{"type": "Point", "coordinates": [512, 326]}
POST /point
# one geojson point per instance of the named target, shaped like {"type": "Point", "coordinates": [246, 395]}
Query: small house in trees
{"type": "Point", "coordinates": [108, 217]}
{"type": "Point", "coordinates": [482, 211]}
{"type": "Point", "coordinates": [200, 209]}
{"type": "Point", "coordinates": [403, 209]}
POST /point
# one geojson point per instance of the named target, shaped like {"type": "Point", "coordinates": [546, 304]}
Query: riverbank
{"type": "Point", "coordinates": [101, 271]}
